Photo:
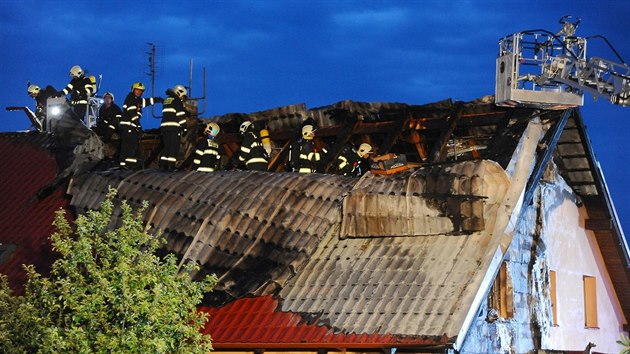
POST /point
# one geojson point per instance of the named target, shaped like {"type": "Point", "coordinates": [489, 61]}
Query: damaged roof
{"type": "Point", "coordinates": [417, 272]}
{"type": "Point", "coordinates": [252, 229]}
{"type": "Point", "coordinates": [381, 259]}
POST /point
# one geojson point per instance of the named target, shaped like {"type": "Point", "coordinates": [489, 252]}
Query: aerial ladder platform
{"type": "Point", "coordinates": [540, 69]}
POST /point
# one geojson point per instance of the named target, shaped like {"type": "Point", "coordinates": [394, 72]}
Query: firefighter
{"type": "Point", "coordinates": [129, 126]}
{"type": "Point", "coordinates": [172, 126]}
{"type": "Point", "coordinates": [109, 116]}
{"type": "Point", "coordinates": [252, 152]}
{"type": "Point", "coordinates": [306, 156]}
{"type": "Point", "coordinates": [41, 96]}
{"type": "Point", "coordinates": [207, 155]}
{"type": "Point", "coordinates": [348, 162]}
{"type": "Point", "coordinates": [365, 163]}
{"type": "Point", "coordinates": [80, 89]}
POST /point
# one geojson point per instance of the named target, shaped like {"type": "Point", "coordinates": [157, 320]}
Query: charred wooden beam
{"type": "Point", "coordinates": [414, 123]}
{"type": "Point", "coordinates": [545, 154]}
{"type": "Point", "coordinates": [475, 153]}
{"type": "Point", "coordinates": [277, 162]}
{"type": "Point", "coordinates": [439, 152]}
{"type": "Point", "coordinates": [504, 138]}
{"type": "Point", "coordinates": [393, 133]}
{"type": "Point", "coordinates": [416, 139]}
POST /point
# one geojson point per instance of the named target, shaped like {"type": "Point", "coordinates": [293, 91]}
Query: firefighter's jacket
{"type": "Point", "coordinates": [252, 152]}
{"type": "Point", "coordinates": [308, 157]}
{"type": "Point", "coordinates": [132, 111]}
{"type": "Point", "coordinates": [108, 119]}
{"type": "Point", "coordinates": [79, 88]}
{"type": "Point", "coordinates": [173, 114]}
{"type": "Point", "coordinates": [41, 100]}
{"type": "Point", "coordinates": [207, 156]}
{"type": "Point", "coordinates": [347, 162]}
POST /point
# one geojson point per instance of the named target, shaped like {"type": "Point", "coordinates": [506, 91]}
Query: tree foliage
{"type": "Point", "coordinates": [625, 343]}
{"type": "Point", "coordinates": [108, 292]}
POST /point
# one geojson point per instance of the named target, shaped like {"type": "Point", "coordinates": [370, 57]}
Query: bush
{"type": "Point", "coordinates": [108, 292]}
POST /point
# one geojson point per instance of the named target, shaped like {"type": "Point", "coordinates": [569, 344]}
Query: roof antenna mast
{"type": "Point", "coordinates": [151, 74]}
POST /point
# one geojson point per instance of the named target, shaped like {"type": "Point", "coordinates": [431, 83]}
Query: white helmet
{"type": "Point", "coordinates": [364, 149]}
{"type": "Point", "coordinates": [244, 126]}
{"type": "Point", "coordinates": [108, 94]}
{"type": "Point", "coordinates": [180, 91]}
{"type": "Point", "coordinates": [33, 90]}
{"type": "Point", "coordinates": [212, 129]}
{"type": "Point", "coordinates": [308, 131]}
{"type": "Point", "coordinates": [76, 71]}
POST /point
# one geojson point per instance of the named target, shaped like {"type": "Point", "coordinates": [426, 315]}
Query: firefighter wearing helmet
{"type": "Point", "coordinates": [80, 88]}
{"type": "Point", "coordinates": [252, 153]}
{"type": "Point", "coordinates": [207, 157]}
{"type": "Point", "coordinates": [349, 161]}
{"type": "Point", "coordinates": [129, 127]}
{"type": "Point", "coordinates": [109, 116]}
{"type": "Point", "coordinates": [305, 157]}
{"type": "Point", "coordinates": [41, 96]}
{"type": "Point", "coordinates": [173, 126]}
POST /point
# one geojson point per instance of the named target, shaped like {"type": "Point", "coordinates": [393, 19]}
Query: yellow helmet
{"type": "Point", "coordinates": [212, 129]}
{"type": "Point", "coordinates": [364, 149]}
{"type": "Point", "coordinates": [308, 132]}
{"type": "Point", "coordinates": [33, 90]}
{"type": "Point", "coordinates": [180, 91]}
{"type": "Point", "coordinates": [137, 85]}
{"type": "Point", "coordinates": [76, 71]}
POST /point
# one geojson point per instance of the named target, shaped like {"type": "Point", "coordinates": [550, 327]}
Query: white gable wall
{"type": "Point", "coordinates": [573, 253]}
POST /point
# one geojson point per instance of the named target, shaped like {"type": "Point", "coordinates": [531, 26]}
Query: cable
{"type": "Point", "coordinates": [610, 46]}
{"type": "Point", "coordinates": [554, 37]}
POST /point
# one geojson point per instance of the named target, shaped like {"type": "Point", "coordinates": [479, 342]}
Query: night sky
{"type": "Point", "coordinates": [264, 54]}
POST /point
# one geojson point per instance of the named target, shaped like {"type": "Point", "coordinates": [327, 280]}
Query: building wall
{"type": "Point", "coordinates": [489, 334]}
{"type": "Point", "coordinates": [550, 236]}
{"type": "Point", "coordinates": [574, 253]}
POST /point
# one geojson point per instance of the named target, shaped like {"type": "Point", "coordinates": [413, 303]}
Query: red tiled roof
{"type": "Point", "coordinates": [255, 322]}
{"type": "Point", "coordinates": [26, 221]}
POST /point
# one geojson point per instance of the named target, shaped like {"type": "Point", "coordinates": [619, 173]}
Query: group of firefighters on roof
{"type": "Point", "coordinates": [304, 156]}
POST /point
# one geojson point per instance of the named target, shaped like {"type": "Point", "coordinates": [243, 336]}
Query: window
{"type": "Point", "coordinates": [552, 293]}
{"type": "Point", "coordinates": [501, 297]}
{"type": "Point", "coordinates": [590, 302]}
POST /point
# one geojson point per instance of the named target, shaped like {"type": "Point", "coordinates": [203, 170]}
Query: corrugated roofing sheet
{"type": "Point", "coordinates": [402, 285]}
{"type": "Point", "coordinates": [25, 220]}
{"type": "Point", "coordinates": [252, 229]}
{"type": "Point", "coordinates": [449, 199]}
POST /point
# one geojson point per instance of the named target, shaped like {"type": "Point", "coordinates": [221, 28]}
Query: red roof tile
{"type": "Point", "coordinates": [255, 322]}
{"type": "Point", "coordinates": [25, 220]}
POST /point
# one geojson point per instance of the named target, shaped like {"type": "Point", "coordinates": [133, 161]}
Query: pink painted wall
{"type": "Point", "coordinates": [573, 252]}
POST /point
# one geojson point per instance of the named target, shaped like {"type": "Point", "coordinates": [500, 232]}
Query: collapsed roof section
{"type": "Point", "coordinates": [433, 133]}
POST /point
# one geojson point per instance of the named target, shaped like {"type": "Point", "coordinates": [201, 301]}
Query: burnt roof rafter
{"type": "Point", "coordinates": [545, 153]}
{"type": "Point", "coordinates": [439, 151]}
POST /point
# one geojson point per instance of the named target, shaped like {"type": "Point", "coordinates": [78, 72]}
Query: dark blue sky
{"type": "Point", "coordinates": [263, 54]}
